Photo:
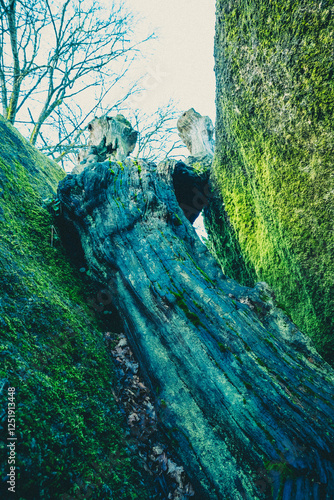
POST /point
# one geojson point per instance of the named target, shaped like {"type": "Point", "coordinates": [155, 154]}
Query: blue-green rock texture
{"type": "Point", "coordinates": [274, 159]}
{"type": "Point", "coordinates": [243, 395]}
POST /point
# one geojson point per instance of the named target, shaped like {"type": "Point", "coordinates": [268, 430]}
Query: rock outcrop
{"type": "Point", "coordinates": [109, 136]}
{"type": "Point", "coordinates": [240, 390]}
{"type": "Point", "coordinates": [196, 132]}
{"type": "Point", "coordinates": [274, 159]}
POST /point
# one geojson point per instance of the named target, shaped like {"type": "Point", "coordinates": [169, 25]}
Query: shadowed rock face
{"type": "Point", "coordinates": [191, 178]}
{"type": "Point", "coordinates": [192, 190]}
{"type": "Point", "coordinates": [241, 391]}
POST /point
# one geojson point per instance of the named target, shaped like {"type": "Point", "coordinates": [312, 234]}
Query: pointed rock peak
{"type": "Point", "coordinates": [112, 135]}
{"type": "Point", "coordinates": [196, 131]}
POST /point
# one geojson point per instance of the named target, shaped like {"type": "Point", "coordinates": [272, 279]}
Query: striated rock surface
{"type": "Point", "coordinates": [240, 390]}
{"type": "Point", "coordinates": [196, 131]}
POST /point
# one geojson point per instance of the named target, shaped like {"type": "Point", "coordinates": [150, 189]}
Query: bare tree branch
{"type": "Point", "coordinates": [56, 53]}
{"type": "Point", "coordinates": [4, 99]}
{"type": "Point", "coordinates": [77, 130]}
{"type": "Point", "coordinates": [158, 135]}
{"type": "Point", "coordinates": [11, 19]}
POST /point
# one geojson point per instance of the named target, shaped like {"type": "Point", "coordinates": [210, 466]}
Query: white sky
{"type": "Point", "coordinates": [181, 66]}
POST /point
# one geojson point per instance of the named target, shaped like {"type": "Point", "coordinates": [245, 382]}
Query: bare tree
{"type": "Point", "coordinates": [51, 53]}
{"type": "Point", "coordinates": [158, 137]}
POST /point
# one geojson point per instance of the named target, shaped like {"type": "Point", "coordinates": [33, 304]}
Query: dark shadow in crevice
{"type": "Point", "coordinates": [192, 190]}
{"type": "Point", "coordinates": [98, 297]}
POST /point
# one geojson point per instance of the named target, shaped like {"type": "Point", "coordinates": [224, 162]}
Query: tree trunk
{"type": "Point", "coordinates": [45, 113]}
{"type": "Point", "coordinates": [17, 76]}
{"type": "Point", "coordinates": [241, 391]}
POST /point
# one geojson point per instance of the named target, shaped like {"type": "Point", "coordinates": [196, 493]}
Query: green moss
{"type": "Point", "coordinates": [223, 347]}
{"type": "Point", "coordinates": [271, 344]}
{"type": "Point", "coordinates": [177, 220]}
{"type": "Point", "coordinates": [282, 469]}
{"type": "Point", "coordinates": [260, 362]}
{"type": "Point", "coordinates": [201, 308]}
{"type": "Point", "coordinates": [180, 301]}
{"type": "Point", "coordinates": [203, 273]}
{"type": "Point", "coordinates": [43, 174]}
{"type": "Point", "coordinates": [69, 430]}
{"type": "Point", "coordinates": [231, 327]}
{"type": "Point", "coordinates": [274, 155]}
{"type": "Point", "coordinates": [224, 245]}
{"type": "Point", "coordinates": [264, 297]}
{"type": "Point", "coordinates": [200, 167]}
{"type": "Point", "coordinates": [238, 358]}
{"type": "Point", "coordinates": [137, 165]}
{"type": "Point", "coordinates": [246, 346]}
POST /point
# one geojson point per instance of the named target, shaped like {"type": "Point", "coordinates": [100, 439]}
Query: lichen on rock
{"type": "Point", "coordinates": [71, 439]}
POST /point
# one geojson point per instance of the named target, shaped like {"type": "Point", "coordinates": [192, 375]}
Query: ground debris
{"type": "Point", "coordinates": [134, 399]}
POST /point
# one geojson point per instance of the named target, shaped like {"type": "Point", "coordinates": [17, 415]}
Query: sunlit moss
{"type": "Point", "coordinates": [274, 155]}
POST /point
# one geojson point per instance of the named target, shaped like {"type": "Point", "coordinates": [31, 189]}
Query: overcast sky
{"type": "Point", "coordinates": [181, 66]}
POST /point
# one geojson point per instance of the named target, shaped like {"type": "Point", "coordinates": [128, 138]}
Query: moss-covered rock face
{"type": "Point", "coordinates": [275, 154]}
{"type": "Point", "coordinates": [70, 437]}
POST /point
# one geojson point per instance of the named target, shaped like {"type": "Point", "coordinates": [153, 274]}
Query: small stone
{"type": "Point", "coordinates": [157, 450]}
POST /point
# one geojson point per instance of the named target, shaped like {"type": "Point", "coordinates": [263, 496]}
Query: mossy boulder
{"type": "Point", "coordinates": [70, 433]}
{"type": "Point", "coordinates": [275, 155]}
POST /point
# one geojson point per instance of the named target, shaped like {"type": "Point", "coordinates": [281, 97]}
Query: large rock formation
{"type": "Point", "coordinates": [241, 392]}
{"type": "Point", "coordinates": [274, 156]}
